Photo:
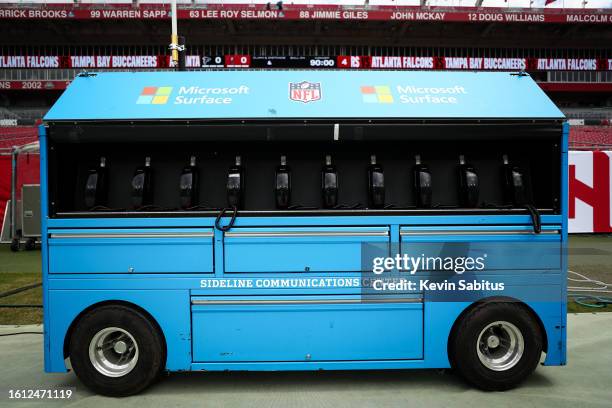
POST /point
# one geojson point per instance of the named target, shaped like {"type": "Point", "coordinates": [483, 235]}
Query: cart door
{"type": "Point", "coordinates": [306, 329]}
{"type": "Point", "coordinates": [300, 249]}
{"type": "Point", "coordinates": [501, 247]}
{"type": "Point", "coordinates": [131, 250]}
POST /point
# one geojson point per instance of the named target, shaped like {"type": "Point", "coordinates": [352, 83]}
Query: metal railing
{"type": "Point", "coordinates": [67, 74]}
{"type": "Point", "coordinates": [30, 113]}
{"type": "Point", "coordinates": [35, 113]}
{"type": "Point", "coordinates": [588, 113]}
{"type": "Point", "coordinates": [62, 74]}
{"type": "Point", "coordinates": [579, 76]}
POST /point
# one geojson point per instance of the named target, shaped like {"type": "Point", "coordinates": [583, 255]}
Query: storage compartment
{"type": "Point", "coordinates": [492, 247]}
{"type": "Point", "coordinates": [159, 250]}
{"type": "Point", "coordinates": [300, 249]}
{"type": "Point", "coordinates": [308, 329]}
{"type": "Point", "coordinates": [534, 149]}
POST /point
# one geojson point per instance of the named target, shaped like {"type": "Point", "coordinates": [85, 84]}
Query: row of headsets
{"type": "Point", "coordinates": [96, 188]}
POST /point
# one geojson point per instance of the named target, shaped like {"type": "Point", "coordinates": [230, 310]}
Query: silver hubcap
{"type": "Point", "coordinates": [500, 346]}
{"type": "Point", "coordinates": [113, 352]}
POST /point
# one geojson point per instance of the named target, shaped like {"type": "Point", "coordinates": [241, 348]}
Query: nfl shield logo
{"type": "Point", "coordinates": [305, 91]}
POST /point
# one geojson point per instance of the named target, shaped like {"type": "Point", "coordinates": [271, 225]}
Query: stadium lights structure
{"type": "Point", "coordinates": [177, 50]}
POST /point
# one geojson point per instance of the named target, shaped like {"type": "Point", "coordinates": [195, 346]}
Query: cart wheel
{"type": "Point", "coordinates": [496, 345]}
{"type": "Point", "coordinates": [15, 245]}
{"type": "Point", "coordinates": [116, 351]}
{"type": "Point", "coordinates": [30, 244]}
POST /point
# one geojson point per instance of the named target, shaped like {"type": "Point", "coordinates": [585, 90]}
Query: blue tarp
{"type": "Point", "coordinates": [302, 95]}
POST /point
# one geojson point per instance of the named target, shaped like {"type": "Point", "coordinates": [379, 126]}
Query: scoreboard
{"type": "Point", "coordinates": [304, 62]}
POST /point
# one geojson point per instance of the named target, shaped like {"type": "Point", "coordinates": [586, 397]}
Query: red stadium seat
{"type": "Point", "coordinates": [590, 137]}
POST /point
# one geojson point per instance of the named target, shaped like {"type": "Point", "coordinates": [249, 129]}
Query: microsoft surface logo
{"type": "Point", "coordinates": [155, 95]}
{"type": "Point", "coordinates": [376, 94]}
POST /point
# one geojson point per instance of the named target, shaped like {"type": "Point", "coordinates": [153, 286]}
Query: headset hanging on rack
{"type": "Point", "coordinates": [235, 194]}
{"type": "Point", "coordinates": [142, 185]}
{"type": "Point", "coordinates": [282, 185]}
{"type": "Point", "coordinates": [329, 184]}
{"type": "Point", "coordinates": [96, 187]}
{"type": "Point", "coordinates": [516, 192]}
{"type": "Point", "coordinates": [468, 184]}
{"type": "Point", "coordinates": [376, 184]}
{"type": "Point", "coordinates": [188, 185]}
{"type": "Point", "coordinates": [422, 183]}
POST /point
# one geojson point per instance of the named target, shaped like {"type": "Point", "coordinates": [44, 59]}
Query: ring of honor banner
{"type": "Point", "coordinates": [303, 12]}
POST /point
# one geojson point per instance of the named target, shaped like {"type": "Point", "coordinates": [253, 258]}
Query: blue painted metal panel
{"type": "Point", "coordinates": [478, 229]}
{"type": "Point", "coordinates": [499, 245]}
{"type": "Point", "coordinates": [257, 283]}
{"type": "Point", "coordinates": [265, 95]}
{"type": "Point", "coordinates": [44, 206]}
{"type": "Point", "coordinates": [552, 318]}
{"type": "Point", "coordinates": [299, 249]}
{"type": "Point", "coordinates": [313, 365]}
{"type": "Point", "coordinates": [121, 250]}
{"type": "Point", "coordinates": [438, 323]}
{"type": "Point", "coordinates": [561, 328]}
{"type": "Point", "coordinates": [301, 332]}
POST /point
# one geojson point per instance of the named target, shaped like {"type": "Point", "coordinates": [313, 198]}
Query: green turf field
{"type": "Point", "coordinates": [18, 269]}
{"type": "Point", "coordinates": [590, 255]}
{"type": "Point", "coordinates": [18, 262]}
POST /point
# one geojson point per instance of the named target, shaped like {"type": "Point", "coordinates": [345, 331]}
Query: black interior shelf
{"type": "Point", "coordinates": [76, 148]}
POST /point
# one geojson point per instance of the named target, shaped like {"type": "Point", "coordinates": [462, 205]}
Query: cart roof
{"type": "Point", "coordinates": [269, 95]}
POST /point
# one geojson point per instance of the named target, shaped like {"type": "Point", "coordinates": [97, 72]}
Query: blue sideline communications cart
{"type": "Point", "coordinates": [223, 220]}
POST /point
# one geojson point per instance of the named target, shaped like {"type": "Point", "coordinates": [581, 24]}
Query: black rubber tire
{"type": "Point", "coordinates": [464, 356]}
{"type": "Point", "coordinates": [30, 244]}
{"type": "Point", "coordinates": [15, 245]}
{"type": "Point", "coordinates": [152, 353]}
